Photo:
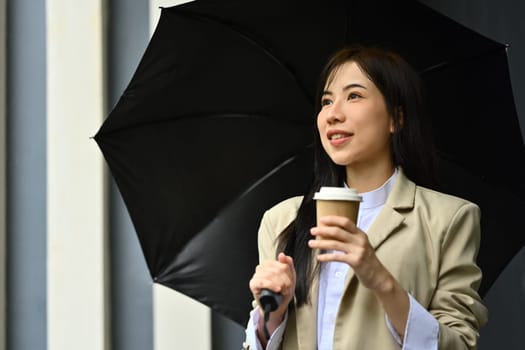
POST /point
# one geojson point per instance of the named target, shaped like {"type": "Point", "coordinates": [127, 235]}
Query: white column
{"type": "Point", "coordinates": [76, 248]}
{"type": "Point", "coordinates": [179, 321]}
{"type": "Point", "coordinates": [3, 85]}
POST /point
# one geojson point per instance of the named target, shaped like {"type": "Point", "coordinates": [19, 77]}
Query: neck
{"type": "Point", "coordinates": [368, 178]}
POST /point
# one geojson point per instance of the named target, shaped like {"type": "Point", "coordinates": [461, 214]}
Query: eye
{"type": "Point", "coordinates": [326, 101]}
{"type": "Point", "coordinates": [353, 96]}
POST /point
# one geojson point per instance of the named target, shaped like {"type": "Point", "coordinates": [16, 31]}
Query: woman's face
{"type": "Point", "coordinates": [353, 123]}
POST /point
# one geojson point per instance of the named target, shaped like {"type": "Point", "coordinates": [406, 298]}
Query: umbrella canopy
{"type": "Point", "coordinates": [216, 126]}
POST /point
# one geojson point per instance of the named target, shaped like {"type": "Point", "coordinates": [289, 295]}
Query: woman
{"type": "Point", "coordinates": [403, 276]}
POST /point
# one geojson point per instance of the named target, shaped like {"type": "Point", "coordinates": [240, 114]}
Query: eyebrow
{"type": "Point", "coordinates": [347, 87]}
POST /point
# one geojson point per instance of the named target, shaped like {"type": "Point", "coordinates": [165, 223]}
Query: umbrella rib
{"type": "Point", "coordinates": [444, 64]}
{"type": "Point", "coordinates": [250, 39]}
{"type": "Point", "coordinates": [271, 173]}
{"type": "Point", "coordinates": [202, 115]}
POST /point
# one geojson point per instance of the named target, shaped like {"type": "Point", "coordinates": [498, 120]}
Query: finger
{"type": "Point", "coordinates": [325, 257]}
{"type": "Point", "coordinates": [290, 263]}
{"type": "Point", "coordinates": [287, 279]}
{"type": "Point", "coordinates": [258, 284]}
{"type": "Point", "coordinates": [277, 273]}
{"type": "Point", "coordinates": [331, 232]}
{"type": "Point", "coordinates": [355, 256]}
{"type": "Point", "coordinates": [285, 259]}
{"type": "Point", "coordinates": [341, 221]}
{"type": "Point", "coordinates": [330, 244]}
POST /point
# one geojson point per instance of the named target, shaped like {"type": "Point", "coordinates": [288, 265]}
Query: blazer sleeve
{"type": "Point", "coordinates": [267, 238]}
{"type": "Point", "coordinates": [273, 222]}
{"type": "Point", "coordinates": [456, 303]}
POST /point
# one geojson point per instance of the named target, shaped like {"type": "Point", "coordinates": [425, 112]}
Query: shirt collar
{"type": "Point", "coordinates": [377, 197]}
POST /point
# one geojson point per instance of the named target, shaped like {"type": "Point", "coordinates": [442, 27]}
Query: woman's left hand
{"type": "Point", "coordinates": [340, 234]}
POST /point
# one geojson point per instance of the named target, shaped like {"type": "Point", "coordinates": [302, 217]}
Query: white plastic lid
{"type": "Point", "coordinates": [338, 194]}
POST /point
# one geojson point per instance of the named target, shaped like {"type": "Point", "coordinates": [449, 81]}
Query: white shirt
{"type": "Point", "coordinates": [422, 328]}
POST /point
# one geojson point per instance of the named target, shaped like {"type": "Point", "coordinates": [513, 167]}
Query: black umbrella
{"type": "Point", "coordinates": [216, 125]}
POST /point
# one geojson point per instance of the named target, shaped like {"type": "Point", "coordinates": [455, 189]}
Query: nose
{"type": "Point", "coordinates": [335, 114]}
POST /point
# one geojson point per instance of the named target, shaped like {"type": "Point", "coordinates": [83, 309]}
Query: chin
{"type": "Point", "coordinates": [341, 162]}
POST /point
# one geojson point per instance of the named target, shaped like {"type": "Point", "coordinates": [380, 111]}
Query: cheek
{"type": "Point", "coordinates": [319, 119]}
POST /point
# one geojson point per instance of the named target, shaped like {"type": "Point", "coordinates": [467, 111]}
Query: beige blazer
{"type": "Point", "coordinates": [428, 241]}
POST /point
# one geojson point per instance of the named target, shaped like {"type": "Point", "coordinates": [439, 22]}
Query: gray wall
{"type": "Point", "coordinates": [226, 334]}
{"type": "Point", "coordinates": [131, 292]}
{"type": "Point", "coordinates": [131, 285]}
{"type": "Point", "coordinates": [26, 175]}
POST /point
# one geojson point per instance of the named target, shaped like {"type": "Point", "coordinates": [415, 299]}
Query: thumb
{"type": "Point", "coordinates": [285, 259]}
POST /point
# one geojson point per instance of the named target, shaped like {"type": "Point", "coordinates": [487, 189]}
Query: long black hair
{"type": "Point", "coordinates": [412, 146]}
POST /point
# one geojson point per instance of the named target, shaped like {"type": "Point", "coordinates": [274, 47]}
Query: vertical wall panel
{"type": "Point", "coordinates": [180, 322]}
{"type": "Point", "coordinates": [3, 259]}
{"type": "Point", "coordinates": [26, 175]}
{"type": "Point", "coordinates": [131, 285]}
{"type": "Point", "coordinates": [76, 244]}
{"type": "Point", "coordinates": [226, 334]}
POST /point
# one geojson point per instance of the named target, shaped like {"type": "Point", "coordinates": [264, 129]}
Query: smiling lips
{"type": "Point", "coordinates": [338, 137]}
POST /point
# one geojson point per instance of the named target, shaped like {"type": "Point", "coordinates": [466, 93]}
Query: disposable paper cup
{"type": "Point", "coordinates": [340, 201]}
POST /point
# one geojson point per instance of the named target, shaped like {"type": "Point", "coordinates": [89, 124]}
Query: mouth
{"type": "Point", "coordinates": [338, 135]}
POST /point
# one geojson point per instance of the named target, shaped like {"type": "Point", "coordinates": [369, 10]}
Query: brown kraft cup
{"type": "Point", "coordinates": [340, 201]}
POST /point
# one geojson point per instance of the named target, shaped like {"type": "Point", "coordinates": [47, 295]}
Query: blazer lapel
{"type": "Point", "coordinates": [388, 219]}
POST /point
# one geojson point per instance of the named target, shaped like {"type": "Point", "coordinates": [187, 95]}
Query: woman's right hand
{"type": "Point", "coordinates": [277, 276]}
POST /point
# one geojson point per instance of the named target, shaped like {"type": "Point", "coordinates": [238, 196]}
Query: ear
{"type": "Point", "coordinates": [393, 128]}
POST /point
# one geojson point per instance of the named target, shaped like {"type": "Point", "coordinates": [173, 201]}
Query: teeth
{"type": "Point", "coordinates": [338, 136]}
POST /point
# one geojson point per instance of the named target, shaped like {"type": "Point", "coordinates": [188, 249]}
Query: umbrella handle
{"type": "Point", "coordinates": [269, 301]}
